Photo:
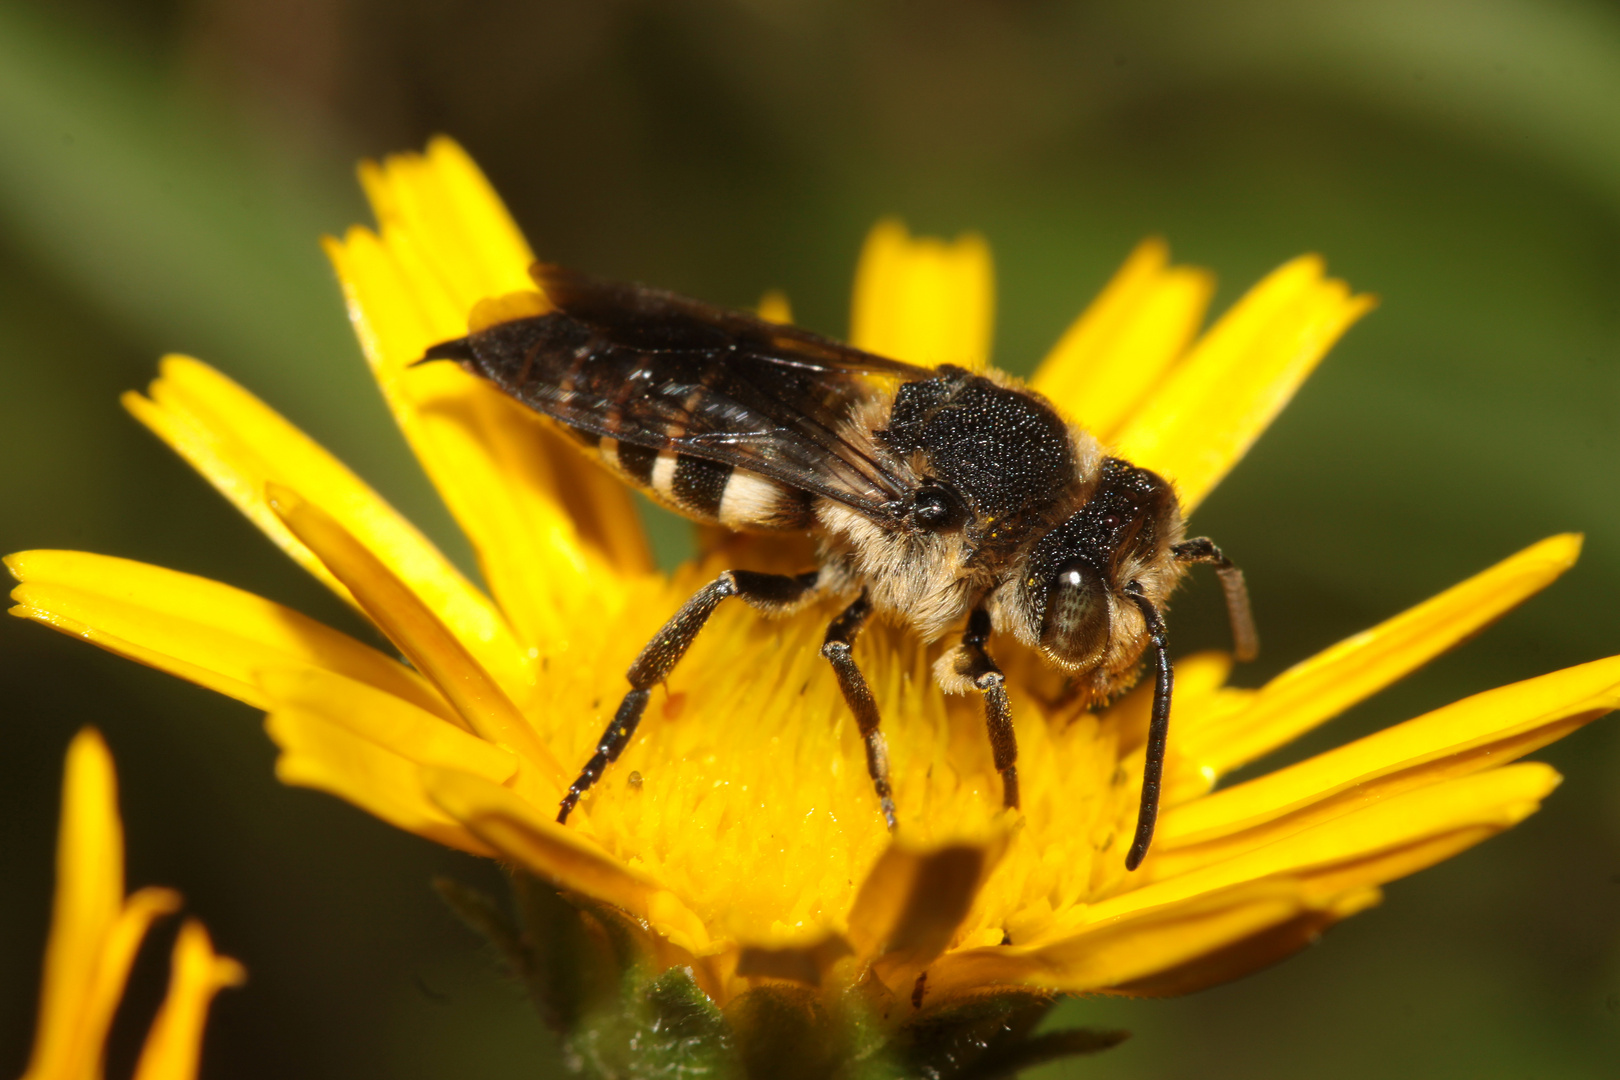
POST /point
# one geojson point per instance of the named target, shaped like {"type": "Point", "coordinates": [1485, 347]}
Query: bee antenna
{"type": "Point", "coordinates": [1158, 730]}
{"type": "Point", "coordinates": [1245, 638]}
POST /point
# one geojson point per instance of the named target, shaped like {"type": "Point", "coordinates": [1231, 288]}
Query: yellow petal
{"type": "Point", "coordinates": [561, 855]}
{"type": "Point", "coordinates": [239, 444]}
{"type": "Point", "coordinates": [447, 205]}
{"type": "Point", "coordinates": [1333, 680]}
{"type": "Point", "coordinates": [1187, 931]}
{"type": "Point", "coordinates": [547, 527]}
{"type": "Point", "coordinates": [390, 722]}
{"type": "Point", "coordinates": [1369, 845]}
{"type": "Point", "coordinates": [196, 974]}
{"type": "Point", "coordinates": [94, 932]}
{"type": "Point", "coordinates": [1480, 732]}
{"type": "Point", "coordinates": [118, 949]}
{"type": "Point", "coordinates": [511, 483]}
{"type": "Point", "coordinates": [316, 753]}
{"type": "Point", "coordinates": [1117, 352]}
{"type": "Point", "coordinates": [416, 629]}
{"type": "Point", "coordinates": [89, 897]}
{"type": "Point", "coordinates": [1221, 964]}
{"type": "Point", "coordinates": [195, 628]}
{"type": "Point", "coordinates": [1129, 947]}
{"type": "Point", "coordinates": [1202, 418]}
{"type": "Point", "coordinates": [508, 307]}
{"type": "Point", "coordinates": [923, 300]}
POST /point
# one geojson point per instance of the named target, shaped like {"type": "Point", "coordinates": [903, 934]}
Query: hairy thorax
{"type": "Point", "coordinates": [919, 579]}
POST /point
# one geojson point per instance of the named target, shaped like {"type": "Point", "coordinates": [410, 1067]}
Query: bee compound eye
{"type": "Point", "coordinates": [1074, 628]}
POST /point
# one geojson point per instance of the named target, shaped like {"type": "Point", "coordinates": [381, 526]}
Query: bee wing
{"type": "Point", "coordinates": [658, 370]}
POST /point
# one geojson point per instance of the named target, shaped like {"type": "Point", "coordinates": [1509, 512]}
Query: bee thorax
{"type": "Point", "coordinates": [916, 578]}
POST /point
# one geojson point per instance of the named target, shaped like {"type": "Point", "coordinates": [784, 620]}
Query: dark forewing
{"type": "Point", "coordinates": [653, 369]}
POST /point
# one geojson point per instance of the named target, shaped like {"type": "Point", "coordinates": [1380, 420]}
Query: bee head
{"type": "Point", "coordinates": [1076, 589]}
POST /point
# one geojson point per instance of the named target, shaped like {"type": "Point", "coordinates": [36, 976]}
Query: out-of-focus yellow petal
{"type": "Point", "coordinates": [1202, 418]}
{"type": "Point", "coordinates": [416, 629]}
{"type": "Point", "coordinates": [923, 300]}
{"type": "Point", "coordinates": [1369, 845]}
{"type": "Point", "coordinates": [1480, 732]}
{"type": "Point", "coordinates": [94, 932]}
{"type": "Point", "coordinates": [316, 753]}
{"type": "Point", "coordinates": [508, 307]}
{"type": "Point", "coordinates": [518, 831]}
{"type": "Point", "coordinates": [89, 897]}
{"type": "Point", "coordinates": [1119, 348]}
{"type": "Point", "coordinates": [774, 307]}
{"type": "Point", "coordinates": [810, 963]}
{"type": "Point", "coordinates": [196, 974]}
{"type": "Point", "coordinates": [195, 628]}
{"type": "Point", "coordinates": [911, 904]}
{"type": "Point", "coordinates": [240, 444]}
{"type": "Point", "coordinates": [79, 1024]}
{"type": "Point", "coordinates": [118, 956]}
{"type": "Point", "coordinates": [1333, 680]}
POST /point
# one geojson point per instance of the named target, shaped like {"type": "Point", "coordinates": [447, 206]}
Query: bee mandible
{"type": "Point", "coordinates": [939, 497]}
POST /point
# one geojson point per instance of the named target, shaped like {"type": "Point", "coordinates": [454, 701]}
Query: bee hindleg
{"type": "Point", "coordinates": [773, 593]}
{"type": "Point", "coordinates": [975, 663]}
{"type": "Point", "coordinates": [837, 648]}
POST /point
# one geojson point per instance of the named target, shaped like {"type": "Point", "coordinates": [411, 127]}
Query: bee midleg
{"type": "Point", "coordinates": [975, 663]}
{"type": "Point", "coordinates": [773, 593]}
{"type": "Point", "coordinates": [838, 648]}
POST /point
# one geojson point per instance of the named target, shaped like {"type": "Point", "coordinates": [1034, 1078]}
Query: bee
{"type": "Point", "coordinates": [939, 497]}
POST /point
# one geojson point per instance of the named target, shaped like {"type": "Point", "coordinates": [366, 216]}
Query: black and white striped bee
{"type": "Point", "coordinates": [939, 497]}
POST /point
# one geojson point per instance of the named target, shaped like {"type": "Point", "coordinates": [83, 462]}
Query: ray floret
{"type": "Point", "coordinates": [95, 933]}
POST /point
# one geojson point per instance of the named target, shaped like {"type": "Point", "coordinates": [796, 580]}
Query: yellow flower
{"type": "Point", "coordinates": [95, 932]}
{"type": "Point", "coordinates": [739, 828]}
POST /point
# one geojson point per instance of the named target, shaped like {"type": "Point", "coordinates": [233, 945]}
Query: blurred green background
{"type": "Point", "coordinates": [165, 168]}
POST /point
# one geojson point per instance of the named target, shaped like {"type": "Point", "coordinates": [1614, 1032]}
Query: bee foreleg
{"type": "Point", "coordinates": [772, 593]}
{"type": "Point", "coordinates": [837, 648]}
{"type": "Point", "coordinates": [973, 662]}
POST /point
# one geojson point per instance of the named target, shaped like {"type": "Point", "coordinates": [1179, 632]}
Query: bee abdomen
{"type": "Point", "coordinates": [703, 490]}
